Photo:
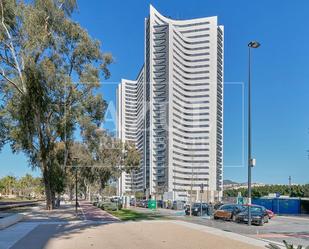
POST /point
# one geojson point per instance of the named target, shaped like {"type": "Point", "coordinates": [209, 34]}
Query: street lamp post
{"type": "Point", "coordinates": [251, 161]}
{"type": "Point", "coordinates": [191, 190]}
{"type": "Point", "coordinates": [207, 190]}
{"type": "Point", "coordinates": [76, 198]}
{"type": "Point", "coordinates": [202, 191]}
{"type": "Point", "coordinates": [192, 175]}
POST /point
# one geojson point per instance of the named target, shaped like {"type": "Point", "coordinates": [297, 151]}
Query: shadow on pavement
{"type": "Point", "coordinates": [39, 237]}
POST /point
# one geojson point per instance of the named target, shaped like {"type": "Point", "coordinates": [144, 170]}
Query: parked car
{"type": "Point", "coordinates": [115, 199]}
{"type": "Point", "coordinates": [228, 211]}
{"type": "Point", "coordinates": [259, 215]}
{"type": "Point", "coordinates": [196, 209]}
{"type": "Point", "coordinates": [141, 203]}
{"type": "Point", "coordinates": [218, 205]}
{"type": "Point", "coordinates": [178, 205]}
{"type": "Point", "coordinates": [144, 204]}
{"type": "Point", "coordinates": [132, 202]}
{"type": "Point", "coordinates": [269, 212]}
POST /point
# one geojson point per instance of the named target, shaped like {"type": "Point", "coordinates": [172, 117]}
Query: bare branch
{"type": "Point", "coordinates": [11, 47]}
{"type": "Point", "coordinates": [60, 6]}
{"type": "Point", "coordinates": [22, 63]}
{"type": "Point", "coordinates": [10, 81]}
{"type": "Point", "coordinates": [7, 60]}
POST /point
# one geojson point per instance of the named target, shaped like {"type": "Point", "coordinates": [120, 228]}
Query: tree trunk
{"type": "Point", "coordinates": [89, 193]}
{"type": "Point", "coordinates": [53, 194]}
{"type": "Point", "coordinates": [133, 189]}
{"type": "Point", "coordinates": [48, 189]}
{"type": "Point", "coordinates": [71, 187]}
{"type": "Point", "coordinates": [48, 194]}
{"type": "Point", "coordinates": [131, 183]}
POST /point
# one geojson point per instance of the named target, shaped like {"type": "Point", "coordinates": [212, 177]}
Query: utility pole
{"type": "Point", "coordinates": [174, 184]}
{"type": "Point", "coordinates": [76, 198]}
{"type": "Point", "coordinates": [191, 191]}
{"type": "Point", "coordinates": [251, 161]}
{"type": "Point", "coordinates": [202, 191]}
{"type": "Point", "coordinates": [290, 185]}
{"type": "Point", "coordinates": [75, 162]}
{"type": "Point", "coordinates": [207, 191]}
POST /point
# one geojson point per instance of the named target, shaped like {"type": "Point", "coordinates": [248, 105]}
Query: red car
{"type": "Point", "coordinates": [270, 213]}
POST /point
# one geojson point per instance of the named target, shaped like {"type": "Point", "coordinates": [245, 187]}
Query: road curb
{"type": "Point", "coordinates": [281, 245]}
{"type": "Point", "coordinates": [10, 220]}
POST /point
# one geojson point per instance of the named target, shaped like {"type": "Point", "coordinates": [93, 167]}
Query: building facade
{"type": "Point", "coordinates": [178, 109]}
{"type": "Point", "coordinates": [130, 128]}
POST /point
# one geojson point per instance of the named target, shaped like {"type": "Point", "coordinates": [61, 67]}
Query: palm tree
{"type": "Point", "coordinates": [9, 183]}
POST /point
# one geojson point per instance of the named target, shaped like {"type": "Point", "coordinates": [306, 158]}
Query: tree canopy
{"type": "Point", "coordinates": [50, 70]}
{"type": "Point", "coordinates": [25, 186]}
{"type": "Point", "coordinates": [292, 191]}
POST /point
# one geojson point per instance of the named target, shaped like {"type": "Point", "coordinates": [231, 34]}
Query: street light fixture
{"type": "Point", "coordinates": [251, 161]}
{"type": "Point", "coordinates": [254, 44]}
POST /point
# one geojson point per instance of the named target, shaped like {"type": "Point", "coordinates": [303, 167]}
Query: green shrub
{"type": "Point", "coordinates": [108, 206]}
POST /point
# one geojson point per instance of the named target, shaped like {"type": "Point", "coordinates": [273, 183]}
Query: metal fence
{"type": "Point", "coordinates": [280, 205]}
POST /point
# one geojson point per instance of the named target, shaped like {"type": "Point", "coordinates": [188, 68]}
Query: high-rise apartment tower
{"type": "Point", "coordinates": [173, 111]}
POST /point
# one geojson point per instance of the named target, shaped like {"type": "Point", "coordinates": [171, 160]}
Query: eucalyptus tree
{"type": "Point", "coordinates": [101, 157]}
{"type": "Point", "coordinates": [43, 53]}
{"type": "Point", "coordinates": [106, 153]}
{"type": "Point", "coordinates": [131, 161]}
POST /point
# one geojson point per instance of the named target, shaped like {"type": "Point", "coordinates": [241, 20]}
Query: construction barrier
{"type": "Point", "coordinates": [280, 205]}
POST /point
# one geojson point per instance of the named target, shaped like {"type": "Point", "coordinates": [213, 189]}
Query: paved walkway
{"type": "Point", "coordinates": [92, 213]}
{"type": "Point", "coordinates": [40, 225]}
{"type": "Point", "coordinates": [65, 213]}
{"type": "Point", "coordinates": [10, 235]}
{"type": "Point", "coordinates": [94, 228]}
{"type": "Point", "coordinates": [133, 235]}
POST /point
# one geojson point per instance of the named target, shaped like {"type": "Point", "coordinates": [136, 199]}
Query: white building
{"type": "Point", "coordinates": [173, 111]}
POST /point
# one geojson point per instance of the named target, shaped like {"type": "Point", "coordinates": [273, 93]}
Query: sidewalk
{"type": "Point", "coordinates": [65, 213]}
{"type": "Point", "coordinates": [150, 235]}
{"type": "Point", "coordinates": [295, 217]}
{"type": "Point", "coordinates": [92, 213]}
{"type": "Point", "coordinates": [40, 225]}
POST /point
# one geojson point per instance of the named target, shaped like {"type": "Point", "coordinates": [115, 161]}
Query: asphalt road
{"type": "Point", "coordinates": [292, 229]}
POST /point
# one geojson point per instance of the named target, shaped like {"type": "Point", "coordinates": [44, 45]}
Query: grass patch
{"type": "Point", "coordinates": [131, 215]}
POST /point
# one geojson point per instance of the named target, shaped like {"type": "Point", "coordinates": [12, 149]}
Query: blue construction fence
{"type": "Point", "coordinates": [284, 205]}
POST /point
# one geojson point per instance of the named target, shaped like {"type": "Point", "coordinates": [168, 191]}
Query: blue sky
{"type": "Point", "coordinates": [280, 79]}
